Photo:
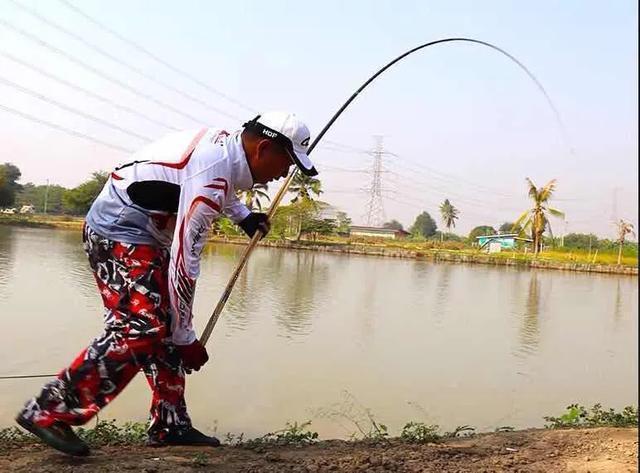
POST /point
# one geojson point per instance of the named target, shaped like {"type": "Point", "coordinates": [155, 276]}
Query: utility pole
{"type": "Point", "coordinates": [375, 208]}
{"type": "Point", "coordinates": [46, 197]}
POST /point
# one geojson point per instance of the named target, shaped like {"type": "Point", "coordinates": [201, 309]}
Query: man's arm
{"type": "Point", "coordinates": [236, 210]}
{"type": "Point", "coordinates": [201, 202]}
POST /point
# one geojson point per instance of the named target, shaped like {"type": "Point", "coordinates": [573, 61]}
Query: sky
{"type": "Point", "coordinates": [457, 121]}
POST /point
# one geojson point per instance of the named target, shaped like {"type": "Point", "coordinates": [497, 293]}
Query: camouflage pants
{"type": "Point", "coordinates": [132, 280]}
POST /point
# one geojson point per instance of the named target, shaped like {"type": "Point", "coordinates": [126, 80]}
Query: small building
{"type": "Point", "coordinates": [376, 232]}
{"type": "Point", "coordinates": [496, 243]}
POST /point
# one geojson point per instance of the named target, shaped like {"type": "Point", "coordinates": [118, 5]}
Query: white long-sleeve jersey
{"type": "Point", "coordinates": [169, 195]}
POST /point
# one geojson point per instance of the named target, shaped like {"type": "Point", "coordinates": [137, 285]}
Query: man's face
{"type": "Point", "coordinates": [271, 162]}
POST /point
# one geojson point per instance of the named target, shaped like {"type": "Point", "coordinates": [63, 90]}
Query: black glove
{"type": "Point", "coordinates": [255, 221]}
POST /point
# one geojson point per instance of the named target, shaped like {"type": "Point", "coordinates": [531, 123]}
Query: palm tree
{"type": "Point", "coordinates": [303, 186]}
{"type": "Point", "coordinates": [449, 216]}
{"type": "Point", "coordinates": [535, 219]}
{"type": "Point", "coordinates": [624, 229]}
{"type": "Point", "coordinates": [252, 196]}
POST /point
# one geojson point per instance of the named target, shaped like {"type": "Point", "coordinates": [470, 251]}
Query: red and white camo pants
{"type": "Point", "coordinates": [132, 280]}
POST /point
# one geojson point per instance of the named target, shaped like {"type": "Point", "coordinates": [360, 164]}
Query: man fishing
{"type": "Point", "coordinates": [144, 235]}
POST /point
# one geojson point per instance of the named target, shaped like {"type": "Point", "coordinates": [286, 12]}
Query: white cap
{"type": "Point", "coordinates": [286, 129]}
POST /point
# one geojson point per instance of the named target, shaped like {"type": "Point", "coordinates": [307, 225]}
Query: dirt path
{"type": "Point", "coordinates": [586, 450]}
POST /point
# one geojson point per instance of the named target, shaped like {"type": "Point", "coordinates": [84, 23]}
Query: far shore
{"type": "Point", "coordinates": [382, 249]}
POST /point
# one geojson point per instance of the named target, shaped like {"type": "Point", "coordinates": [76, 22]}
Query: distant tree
{"type": "Point", "coordinates": [424, 225]}
{"type": "Point", "coordinates": [536, 219]}
{"type": "Point", "coordinates": [79, 199]}
{"type": "Point", "coordinates": [508, 227]}
{"type": "Point", "coordinates": [254, 196]}
{"type": "Point", "coordinates": [479, 231]}
{"type": "Point", "coordinates": [303, 211]}
{"type": "Point", "coordinates": [282, 222]}
{"type": "Point", "coordinates": [393, 225]}
{"type": "Point", "coordinates": [624, 228]}
{"type": "Point", "coordinates": [225, 226]}
{"type": "Point", "coordinates": [317, 226]}
{"type": "Point", "coordinates": [449, 215]}
{"type": "Point", "coordinates": [581, 241]}
{"type": "Point", "coordinates": [439, 235]}
{"type": "Point", "coordinates": [9, 187]}
{"type": "Point", "coordinates": [343, 222]}
{"type": "Point", "coordinates": [30, 194]}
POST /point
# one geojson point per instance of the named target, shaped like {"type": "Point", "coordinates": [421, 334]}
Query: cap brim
{"type": "Point", "coordinates": [303, 162]}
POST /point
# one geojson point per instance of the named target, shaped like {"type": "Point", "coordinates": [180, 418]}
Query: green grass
{"type": "Point", "coordinates": [604, 257]}
{"type": "Point", "coordinates": [108, 433]}
{"type": "Point", "coordinates": [40, 220]}
{"type": "Point", "coordinates": [579, 416]}
{"type": "Point", "coordinates": [292, 434]}
{"type": "Point", "coordinates": [607, 257]}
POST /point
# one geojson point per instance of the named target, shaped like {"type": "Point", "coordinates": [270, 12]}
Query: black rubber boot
{"type": "Point", "coordinates": [185, 436]}
{"type": "Point", "coordinates": [59, 436]}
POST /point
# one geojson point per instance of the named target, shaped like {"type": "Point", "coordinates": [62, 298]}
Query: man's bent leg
{"type": "Point", "coordinates": [94, 379]}
{"type": "Point", "coordinates": [166, 377]}
{"type": "Point", "coordinates": [132, 282]}
{"type": "Point", "coordinates": [170, 423]}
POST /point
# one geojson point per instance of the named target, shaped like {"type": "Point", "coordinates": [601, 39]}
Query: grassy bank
{"type": "Point", "coordinates": [559, 259]}
{"type": "Point", "coordinates": [578, 440]}
{"type": "Point", "coordinates": [43, 221]}
{"type": "Point", "coordinates": [365, 428]}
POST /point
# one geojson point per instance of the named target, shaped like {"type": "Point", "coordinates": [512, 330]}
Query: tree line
{"type": "Point", "coordinates": [306, 213]}
{"type": "Point", "coordinates": [51, 199]}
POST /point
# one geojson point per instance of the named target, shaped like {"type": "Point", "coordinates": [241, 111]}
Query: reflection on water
{"type": "Point", "coordinates": [530, 327]}
{"type": "Point", "coordinates": [6, 257]}
{"type": "Point", "coordinates": [300, 287]}
{"type": "Point", "coordinates": [442, 291]}
{"type": "Point", "coordinates": [471, 344]}
{"type": "Point", "coordinates": [617, 306]}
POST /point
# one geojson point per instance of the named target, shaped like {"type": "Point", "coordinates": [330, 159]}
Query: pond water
{"type": "Point", "coordinates": [323, 337]}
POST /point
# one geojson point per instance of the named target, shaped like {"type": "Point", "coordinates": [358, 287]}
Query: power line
{"type": "Point", "coordinates": [86, 91]}
{"type": "Point", "coordinates": [450, 177]}
{"type": "Point", "coordinates": [328, 167]}
{"type": "Point", "coordinates": [119, 61]}
{"type": "Point", "coordinates": [98, 72]}
{"type": "Point", "coordinates": [88, 116]}
{"type": "Point", "coordinates": [420, 168]}
{"type": "Point", "coordinates": [64, 129]}
{"type": "Point", "coordinates": [175, 69]}
{"type": "Point", "coordinates": [328, 144]}
{"type": "Point", "coordinates": [142, 72]}
{"type": "Point", "coordinates": [155, 57]}
{"type": "Point", "coordinates": [424, 187]}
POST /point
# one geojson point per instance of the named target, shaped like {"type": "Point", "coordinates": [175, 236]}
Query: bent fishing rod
{"type": "Point", "coordinates": [206, 333]}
